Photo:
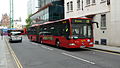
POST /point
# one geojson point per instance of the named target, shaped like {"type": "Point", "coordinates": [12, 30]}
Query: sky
{"type": "Point", "coordinates": [20, 9]}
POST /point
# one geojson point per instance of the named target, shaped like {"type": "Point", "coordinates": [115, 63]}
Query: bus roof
{"type": "Point", "coordinates": [64, 19]}
{"type": "Point", "coordinates": [34, 25]}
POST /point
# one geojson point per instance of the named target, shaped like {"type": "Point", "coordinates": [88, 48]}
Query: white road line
{"type": "Point", "coordinates": [34, 43]}
{"type": "Point", "coordinates": [46, 48]}
{"type": "Point", "coordinates": [78, 58]}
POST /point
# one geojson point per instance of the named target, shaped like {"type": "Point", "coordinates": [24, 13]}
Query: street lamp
{"type": "Point", "coordinates": [11, 14]}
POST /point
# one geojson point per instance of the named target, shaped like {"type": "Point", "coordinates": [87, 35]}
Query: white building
{"type": "Point", "coordinates": [32, 6]}
{"type": "Point", "coordinates": [105, 12]}
{"type": "Point", "coordinates": [18, 24]}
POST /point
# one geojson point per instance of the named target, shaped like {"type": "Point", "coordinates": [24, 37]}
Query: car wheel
{"type": "Point", "coordinates": [10, 40]}
{"type": "Point", "coordinates": [20, 41]}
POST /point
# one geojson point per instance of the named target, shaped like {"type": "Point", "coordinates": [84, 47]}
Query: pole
{"type": "Point", "coordinates": [11, 14]}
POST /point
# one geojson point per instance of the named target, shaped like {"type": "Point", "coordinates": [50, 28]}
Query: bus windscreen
{"type": "Point", "coordinates": [82, 28]}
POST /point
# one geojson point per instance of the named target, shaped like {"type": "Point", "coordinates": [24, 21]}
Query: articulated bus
{"type": "Point", "coordinates": [67, 33]}
{"type": "Point", "coordinates": [32, 32]}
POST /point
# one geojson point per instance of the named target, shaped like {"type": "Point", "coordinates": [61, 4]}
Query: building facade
{"type": "Point", "coordinates": [5, 21]}
{"type": "Point", "coordinates": [18, 24]}
{"type": "Point", "coordinates": [49, 10]}
{"type": "Point", "coordinates": [105, 12]}
{"type": "Point", "coordinates": [32, 6]}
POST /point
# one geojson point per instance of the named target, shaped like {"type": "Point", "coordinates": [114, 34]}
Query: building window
{"type": "Point", "coordinates": [103, 21]}
{"type": "Point", "coordinates": [93, 1]}
{"type": "Point", "coordinates": [71, 6]}
{"type": "Point", "coordinates": [108, 2]}
{"type": "Point", "coordinates": [39, 4]}
{"type": "Point", "coordinates": [68, 7]}
{"type": "Point", "coordinates": [78, 4]}
{"type": "Point", "coordinates": [87, 2]}
{"type": "Point", "coordinates": [103, 1]}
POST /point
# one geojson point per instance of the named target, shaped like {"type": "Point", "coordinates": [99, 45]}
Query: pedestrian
{"type": "Point", "coordinates": [1, 34]}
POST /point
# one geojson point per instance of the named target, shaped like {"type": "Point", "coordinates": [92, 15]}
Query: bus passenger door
{"type": "Point", "coordinates": [64, 37]}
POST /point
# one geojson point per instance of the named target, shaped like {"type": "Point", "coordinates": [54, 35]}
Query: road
{"type": "Point", "coordinates": [35, 55]}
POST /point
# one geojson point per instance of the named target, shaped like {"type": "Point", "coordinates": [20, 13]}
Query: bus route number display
{"type": "Point", "coordinates": [80, 21]}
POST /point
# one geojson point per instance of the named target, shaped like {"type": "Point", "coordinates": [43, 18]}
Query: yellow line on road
{"type": "Point", "coordinates": [108, 52]}
{"type": "Point", "coordinates": [19, 65]}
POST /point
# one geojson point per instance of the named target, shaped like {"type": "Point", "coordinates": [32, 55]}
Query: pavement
{"type": "Point", "coordinates": [7, 61]}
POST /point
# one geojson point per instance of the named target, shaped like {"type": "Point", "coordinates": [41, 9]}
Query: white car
{"type": "Point", "coordinates": [15, 36]}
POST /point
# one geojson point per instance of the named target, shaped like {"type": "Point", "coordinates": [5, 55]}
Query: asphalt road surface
{"type": "Point", "coordinates": [35, 55]}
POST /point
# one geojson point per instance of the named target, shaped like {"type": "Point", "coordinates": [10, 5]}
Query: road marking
{"type": "Point", "coordinates": [78, 58]}
{"type": "Point", "coordinates": [46, 48]}
{"type": "Point", "coordinates": [34, 43]}
{"type": "Point", "coordinates": [19, 65]}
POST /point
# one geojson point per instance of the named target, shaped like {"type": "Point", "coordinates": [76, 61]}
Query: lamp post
{"type": "Point", "coordinates": [11, 14]}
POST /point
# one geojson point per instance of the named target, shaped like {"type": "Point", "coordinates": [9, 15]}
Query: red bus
{"type": "Point", "coordinates": [32, 32]}
{"type": "Point", "coordinates": [68, 33]}
{"type": "Point", "coordinates": [23, 31]}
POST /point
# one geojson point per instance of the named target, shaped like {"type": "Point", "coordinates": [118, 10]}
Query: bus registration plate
{"type": "Point", "coordinates": [82, 46]}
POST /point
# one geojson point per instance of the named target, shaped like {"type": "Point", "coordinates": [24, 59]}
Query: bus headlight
{"type": "Point", "coordinates": [88, 40]}
{"type": "Point", "coordinates": [72, 44]}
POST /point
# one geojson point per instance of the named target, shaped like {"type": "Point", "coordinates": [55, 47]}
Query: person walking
{"type": "Point", "coordinates": [1, 34]}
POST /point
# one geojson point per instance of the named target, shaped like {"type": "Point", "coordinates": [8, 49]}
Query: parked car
{"type": "Point", "coordinates": [15, 36]}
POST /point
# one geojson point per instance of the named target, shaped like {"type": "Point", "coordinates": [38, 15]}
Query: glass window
{"type": "Point", "coordinates": [93, 1]}
{"type": "Point", "coordinates": [71, 6]}
{"type": "Point", "coordinates": [39, 3]}
{"type": "Point", "coordinates": [89, 31]}
{"type": "Point", "coordinates": [75, 31]}
{"type": "Point", "coordinates": [82, 31]}
{"type": "Point", "coordinates": [103, 20]}
{"type": "Point", "coordinates": [78, 4]}
{"type": "Point", "coordinates": [102, 0]}
{"type": "Point", "coordinates": [68, 7]}
{"type": "Point", "coordinates": [108, 2]}
{"type": "Point", "coordinates": [88, 2]}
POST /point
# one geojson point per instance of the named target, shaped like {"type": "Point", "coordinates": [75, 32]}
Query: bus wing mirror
{"type": "Point", "coordinates": [96, 24]}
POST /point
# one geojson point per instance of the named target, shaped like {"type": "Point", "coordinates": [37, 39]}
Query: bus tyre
{"type": "Point", "coordinates": [58, 43]}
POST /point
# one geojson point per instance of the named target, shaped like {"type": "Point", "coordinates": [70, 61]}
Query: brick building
{"type": "Point", "coordinates": [5, 21]}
